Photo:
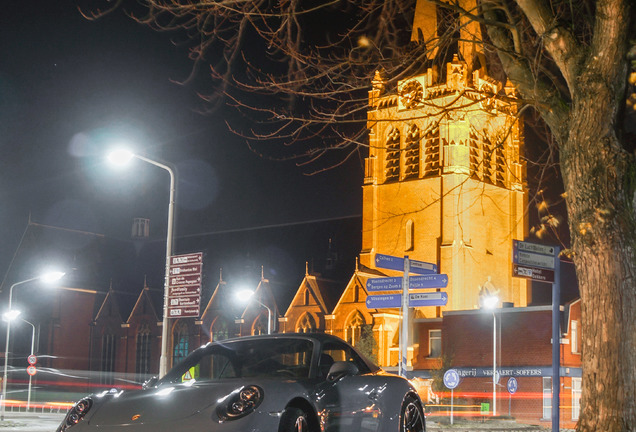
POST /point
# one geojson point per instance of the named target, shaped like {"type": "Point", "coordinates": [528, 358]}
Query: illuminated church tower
{"type": "Point", "coordinates": [444, 180]}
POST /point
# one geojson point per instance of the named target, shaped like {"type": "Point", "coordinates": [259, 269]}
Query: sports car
{"type": "Point", "coordinates": [278, 383]}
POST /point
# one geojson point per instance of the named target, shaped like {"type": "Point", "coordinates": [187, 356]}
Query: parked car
{"type": "Point", "coordinates": [277, 383]}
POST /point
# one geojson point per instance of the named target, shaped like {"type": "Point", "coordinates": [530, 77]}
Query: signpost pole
{"type": "Point", "coordinates": [556, 342]}
{"type": "Point", "coordinates": [404, 334]}
{"type": "Point", "coordinates": [451, 421]}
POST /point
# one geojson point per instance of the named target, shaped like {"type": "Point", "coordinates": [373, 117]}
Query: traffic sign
{"type": "Point", "coordinates": [415, 282]}
{"type": "Point", "coordinates": [192, 258]}
{"type": "Point", "coordinates": [32, 370]}
{"type": "Point", "coordinates": [187, 290]}
{"type": "Point", "coordinates": [185, 301]}
{"type": "Point", "coordinates": [384, 284]}
{"type": "Point", "coordinates": [512, 385]}
{"type": "Point", "coordinates": [533, 255]}
{"type": "Point", "coordinates": [533, 273]}
{"type": "Point", "coordinates": [194, 279]}
{"type": "Point", "coordinates": [428, 281]}
{"type": "Point", "coordinates": [185, 269]}
{"type": "Point", "coordinates": [428, 299]}
{"type": "Point", "coordinates": [396, 263]}
{"type": "Point", "coordinates": [32, 360]}
{"type": "Point", "coordinates": [451, 379]}
{"type": "Point", "coordinates": [384, 301]}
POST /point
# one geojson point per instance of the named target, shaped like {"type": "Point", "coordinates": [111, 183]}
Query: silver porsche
{"type": "Point", "coordinates": [277, 383]}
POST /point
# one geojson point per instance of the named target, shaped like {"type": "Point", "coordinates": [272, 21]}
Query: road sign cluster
{"type": "Point", "coordinates": [184, 285]}
{"type": "Point", "coordinates": [533, 261]}
{"type": "Point", "coordinates": [427, 278]}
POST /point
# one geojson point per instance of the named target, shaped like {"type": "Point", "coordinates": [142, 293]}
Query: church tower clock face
{"type": "Point", "coordinates": [412, 94]}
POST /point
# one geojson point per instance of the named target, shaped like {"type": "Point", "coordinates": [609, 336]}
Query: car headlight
{"type": "Point", "coordinates": [77, 413]}
{"type": "Point", "coordinates": [240, 403]}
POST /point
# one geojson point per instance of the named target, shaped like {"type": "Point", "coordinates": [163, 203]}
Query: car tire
{"type": "Point", "coordinates": [412, 416]}
{"type": "Point", "coordinates": [294, 420]}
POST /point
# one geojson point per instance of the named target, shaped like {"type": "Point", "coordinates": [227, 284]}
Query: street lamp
{"type": "Point", "coordinates": [120, 157]}
{"type": "Point", "coordinates": [10, 314]}
{"type": "Point", "coordinates": [490, 302]}
{"type": "Point", "coordinates": [246, 294]}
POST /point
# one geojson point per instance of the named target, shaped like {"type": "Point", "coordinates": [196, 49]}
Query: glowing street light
{"type": "Point", "coordinates": [11, 314]}
{"type": "Point", "coordinates": [120, 157]}
{"type": "Point", "coordinates": [245, 295]}
{"type": "Point", "coordinates": [490, 302]}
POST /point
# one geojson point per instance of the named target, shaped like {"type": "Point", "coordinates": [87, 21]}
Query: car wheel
{"type": "Point", "coordinates": [412, 417]}
{"type": "Point", "coordinates": [294, 420]}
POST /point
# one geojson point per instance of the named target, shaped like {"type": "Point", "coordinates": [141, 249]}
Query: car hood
{"type": "Point", "coordinates": [159, 405]}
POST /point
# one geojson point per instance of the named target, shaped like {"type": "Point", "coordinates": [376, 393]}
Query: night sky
{"type": "Point", "coordinates": [70, 89]}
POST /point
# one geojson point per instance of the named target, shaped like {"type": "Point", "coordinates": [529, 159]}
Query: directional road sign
{"type": "Point", "coordinates": [193, 258]}
{"type": "Point", "coordinates": [384, 284]}
{"type": "Point", "coordinates": [533, 255]}
{"type": "Point", "coordinates": [384, 301]}
{"type": "Point", "coordinates": [428, 281]}
{"type": "Point", "coordinates": [428, 299]}
{"type": "Point", "coordinates": [415, 282]}
{"type": "Point", "coordinates": [533, 273]}
{"type": "Point", "coordinates": [194, 279]}
{"type": "Point", "coordinates": [187, 290]}
{"type": "Point", "coordinates": [185, 269]}
{"type": "Point", "coordinates": [396, 263]}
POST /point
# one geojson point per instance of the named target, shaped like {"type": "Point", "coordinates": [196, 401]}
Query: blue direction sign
{"type": "Point", "coordinates": [384, 284]}
{"type": "Point", "coordinates": [428, 299]}
{"type": "Point", "coordinates": [384, 301]}
{"type": "Point", "coordinates": [428, 281]}
{"type": "Point", "coordinates": [396, 263]}
{"type": "Point", "coordinates": [415, 282]}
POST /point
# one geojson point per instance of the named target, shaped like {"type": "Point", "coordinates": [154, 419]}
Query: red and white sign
{"type": "Point", "coordinates": [31, 370]}
{"type": "Point", "coordinates": [32, 359]}
{"type": "Point", "coordinates": [193, 258]}
{"type": "Point", "coordinates": [184, 285]}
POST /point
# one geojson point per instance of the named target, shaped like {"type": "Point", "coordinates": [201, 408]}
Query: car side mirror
{"type": "Point", "coordinates": [152, 382]}
{"type": "Point", "coordinates": [341, 369]}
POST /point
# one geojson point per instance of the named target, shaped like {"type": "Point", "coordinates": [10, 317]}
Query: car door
{"type": "Point", "coordinates": [348, 403]}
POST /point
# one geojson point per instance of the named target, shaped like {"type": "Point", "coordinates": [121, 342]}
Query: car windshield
{"type": "Point", "coordinates": [268, 357]}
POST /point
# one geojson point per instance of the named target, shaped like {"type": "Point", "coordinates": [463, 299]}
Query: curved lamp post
{"type": "Point", "coordinates": [490, 302]}
{"type": "Point", "coordinates": [121, 157]}
{"type": "Point", "coordinates": [10, 314]}
{"type": "Point", "coordinates": [244, 295]}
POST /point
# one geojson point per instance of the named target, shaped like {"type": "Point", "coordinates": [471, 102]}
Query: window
{"type": "Point", "coordinates": [412, 152]}
{"type": "Point", "coordinates": [392, 158]}
{"type": "Point", "coordinates": [306, 297]}
{"type": "Point", "coordinates": [220, 330]}
{"type": "Point", "coordinates": [306, 324]}
{"type": "Point", "coordinates": [547, 397]}
{"type": "Point", "coordinates": [142, 363]}
{"type": "Point", "coordinates": [435, 343]}
{"type": "Point", "coordinates": [337, 351]}
{"type": "Point", "coordinates": [260, 326]}
{"type": "Point", "coordinates": [180, 343]}
{"type": "Point", "coordinates": [108, 358]}
{"type": "Point", "coordinates": [409, 235]}
{"type": "Point", "coordinates": [353, 328]}
{"type": "Point", "coordinates": [574, 337]}
{"type": "Point", "coordinates": [576, 398]}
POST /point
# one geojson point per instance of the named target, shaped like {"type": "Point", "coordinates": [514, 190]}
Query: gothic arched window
{"type": "Point", "coordinates": [142, 361]}
{"type": "Point", "coordinates": [306, 324]}
{"type": "Point", "coordinates": [392, 158]}
{"type": "Point", "coordinates": [353, 328]}
{"type": "Point", "coordinates": [412, 152]}
{"type": "Point", "coordinates": [220, 330]}
{"type": "Point", "coordinates": [180, 342]}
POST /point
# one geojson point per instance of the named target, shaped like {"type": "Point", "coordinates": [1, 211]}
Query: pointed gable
{"type": "Point", "coordinates": [143, 307]}
{"type": "Point", "coordinates": [258, 309]}
{"type": "Point", "coordinates": [109, 311]}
